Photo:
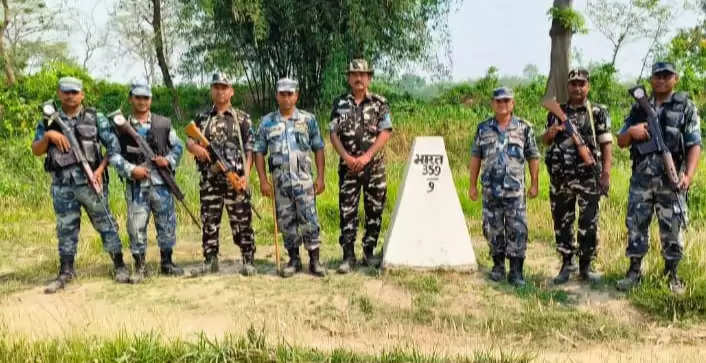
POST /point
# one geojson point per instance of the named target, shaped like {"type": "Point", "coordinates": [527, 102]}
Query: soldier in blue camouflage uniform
{"type": "Point", "coordinates": [502, 144]}
{"type": "Point", "coordinates": [360, 127]}
{"type": "Point", "coordinates": [290, 135]}
{"type": "Point", "coordinates": [229, 131]}
{"type": "Point", "coordinates": [573, 181]}
{"type": "Point", "coordinates": [650, 190]}
{"type": "Point", "coordinates": [70, 188]}
{"type": "Point", "coordinates": [145, 191]}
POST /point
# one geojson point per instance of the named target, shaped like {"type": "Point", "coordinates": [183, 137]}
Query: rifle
{"type": "Point", "coordinates": [124, 127]}
{"type": "Point", "coordinates": [584, 152]}
{"type": "Point", "coordinates": [656, 144]}
{"type": "Point", "coordinates": [49, 111]}
{"type": "Point", "coordinates": [238, 183]}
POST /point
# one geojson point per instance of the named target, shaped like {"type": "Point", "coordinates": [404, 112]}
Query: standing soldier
{"type": "Point", "coordinates": [650, 190]}
{"type": "Point", "coordinates": [503, 143]}
{"type": "Point", "coordinates": [575, 179]}
{"type": "Point", "coordinates": [290, 135]}
{"type": "Point", "coordinates": [229, 132]}
{"type": "Point", "coordinates": [72, 187]}
{"type": "Point", "coordinates": [146, 192]}
{"type": "Point", "coordinates": [360, 127]}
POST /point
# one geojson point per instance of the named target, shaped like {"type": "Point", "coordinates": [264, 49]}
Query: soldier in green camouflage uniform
{"type": "Point", "coordinates": [502, 144]}
{"type": "Point", "coordinates": [229, 131]}
{"type": "Point", "coordinates": [71, 189]}
{"type": "Point", "coordinates": [360, 126]}
{"type": "Point", "coordinates": [650, 190]}
{"type": "Point", "coordinates": [290, 135]}
{"type": "Point", "coordinates": [572, 180]}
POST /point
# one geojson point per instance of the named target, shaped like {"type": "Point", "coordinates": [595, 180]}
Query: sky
{"type": "Point", "coordinates": [507, 34]}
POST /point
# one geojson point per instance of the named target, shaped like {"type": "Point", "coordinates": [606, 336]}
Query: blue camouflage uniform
{"type": "Point", "coordinates": [503, 154]}
{"type": "Point", "coordinates": [70, 188]}
{"type": "Point", "coordinates": [289, 143]}
{"type": "Point", "coordinates": [150, 195]}
{"type": "Point", "coordinates": [650, 190]}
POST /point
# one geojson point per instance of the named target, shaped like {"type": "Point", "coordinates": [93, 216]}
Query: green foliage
{"type": "Point", "coordinates": [569, 19]}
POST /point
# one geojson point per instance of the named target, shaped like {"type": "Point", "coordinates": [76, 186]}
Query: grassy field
{"type": "Point", "coordinates": [398, 316]}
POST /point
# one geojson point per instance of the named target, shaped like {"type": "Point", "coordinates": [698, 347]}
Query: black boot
{"type": "Point", "coordinates": [210, 265]}
{"type": "Point", "coordinates": [140, 272]}
{"type": "Point", "coordinates": [294, 265]}
{"type": "Point", "coordinates": [167, 266]}
{"type": "Point", "coordinates": [122, 274]}
{"type": "Point", "coordinates": [498, 271]}
{"type": "Point", "coordinates": [633, 275]}
{"type": "Point", "coordinates": [675, 284]}
{"type": "Point", "coordinates": [565, 271]}
{"type": "Point", "coordinates": [66, 274]}
{"type": "Point", "coordinates": [314, 265]}
{"type": "Point", "coordinates": [515, 276]}
{"type": "Point", "coordinates": [369, 258]}
{"type": "Point", "coordinates": [586, 272]}
{"type": "Point", "coordinates": [348, 263]}
{"type": "Point", "coordinates": [248, 264]}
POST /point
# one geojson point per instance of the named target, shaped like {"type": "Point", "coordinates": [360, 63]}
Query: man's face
{"type": "Point", "coordinates": [663, 82]}
{"type": "Point", "coordinates": [359, 81]}
{"type": "Point", "coordinates": [578, 90]}
{"type": "Point", "coordinates": [287, 100]}
{"type": "Point", "coordinates": [221, 93]}
{"type": "Point", "coordinates": [503, 107]}
{"type": "Point", "coordinates": [140, 104]}
{"type": "Point", "coordinates": [70, 98]}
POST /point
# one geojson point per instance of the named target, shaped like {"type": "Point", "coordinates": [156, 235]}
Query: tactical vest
{"type": "Point", "coordinates": [230, 149]}
{"type": "Point", "coordinates": [562, 158]}
{"type": "Point", "coordinates": [86, 131]}
{"type": "Point", "coordinates": [673, 124]}
{"type": "Point", "coordinates": [157, 138]}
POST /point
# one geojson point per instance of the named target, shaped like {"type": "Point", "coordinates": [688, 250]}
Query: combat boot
{"type": "Point", "coordinates": [498, 271]}
{"type": "Point", "coordinates": [633, 275]}
{"type": "Point", "coordinates": [248, 268]}
{"type": "Point", "coordinates": [586, 272]}
{"type": "Point", "coordinates": [210, 266]}
{"type": "Point", "coordinates": [369, 258]}
{"type": "Point", "coordinates": [314, 265]}
{"type": "Point", "coordinates": [515, 275]}
{"type": "Point", "coordinates": [294, 265]}
{"type": "Point", "coordinates": [66, 274]}
{"type": "Point", "coordinates": [140, 272]}
{"type": "Point", "coordinates": [167, 266]}
{"type": "Point", "coordinates": [348, 263]}
{"type": "Point", "coordinates": [565, 271]}
{"type": "Point", "coordinates": [122, 274]}
{"type": "Point", "coordinates": [675, 284]}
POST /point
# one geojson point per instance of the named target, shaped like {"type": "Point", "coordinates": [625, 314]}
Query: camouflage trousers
{"type": "Point", "coordinates": [647, 195]}
{"type": "Point", "coordinates": [297, 218]}
{"type": "Point", "coordinates": [505, 224]}
{"type": "Point", "coordinates": [143, 201]}
{"type": "Point", "coordinates": [373, 182]}
{"type": "Point", "coordinates": [68, 200]}
{"type": "Point", "coordinates": [215, 192]}
{"type": "Point", "coordinates": [564, 198]}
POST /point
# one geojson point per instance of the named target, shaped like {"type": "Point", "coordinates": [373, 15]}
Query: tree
{"type": "Point", "coordinates": [262, 40]}
{"type": "Point", "coordinates": [530, 72]}
{"type": "Point", "coordinates": [9, 69]}
{"type": "Point", "coordinates": [565, 22]}
{"type": "Point", "coordinates": [93, 37]}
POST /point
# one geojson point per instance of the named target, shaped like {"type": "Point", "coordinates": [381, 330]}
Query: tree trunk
{"type": "Point", "coordinates": [560, 57]}
{"type": "Point", "coordinates": [161, 59]}
{"type": "Point", "coordinates": [9, 70]}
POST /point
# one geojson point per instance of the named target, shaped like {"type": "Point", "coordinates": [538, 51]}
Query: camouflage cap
{"type": "Point", "coordinates": [287, 85]}
{"type": "Point", "coordinates": [68, 84]}
{"type": "Point", "coordinates": [664, 67]}
{"type": "Point", "coordinates": [359, 65]}
{"type": "Point", "coordinates": [140, 89]}
{"type": "Point", "coordinates": [503, 93]}
{"type": "Point", "coordinates": [578, 74]}
{"type": "Point", "coordinates": [220, 78]}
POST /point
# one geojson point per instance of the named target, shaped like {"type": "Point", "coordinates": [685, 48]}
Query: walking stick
{"type": "Point", "coordinates": [274, 215]}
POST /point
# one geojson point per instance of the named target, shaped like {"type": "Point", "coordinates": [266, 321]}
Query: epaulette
{"type": "Point", "coordinates": [377, 97]}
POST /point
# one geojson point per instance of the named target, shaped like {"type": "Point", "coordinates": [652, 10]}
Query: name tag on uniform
{"type": "Point", "coordinates": [301, 126]}
{"type": "Point", "coordinates": [275, 131]}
